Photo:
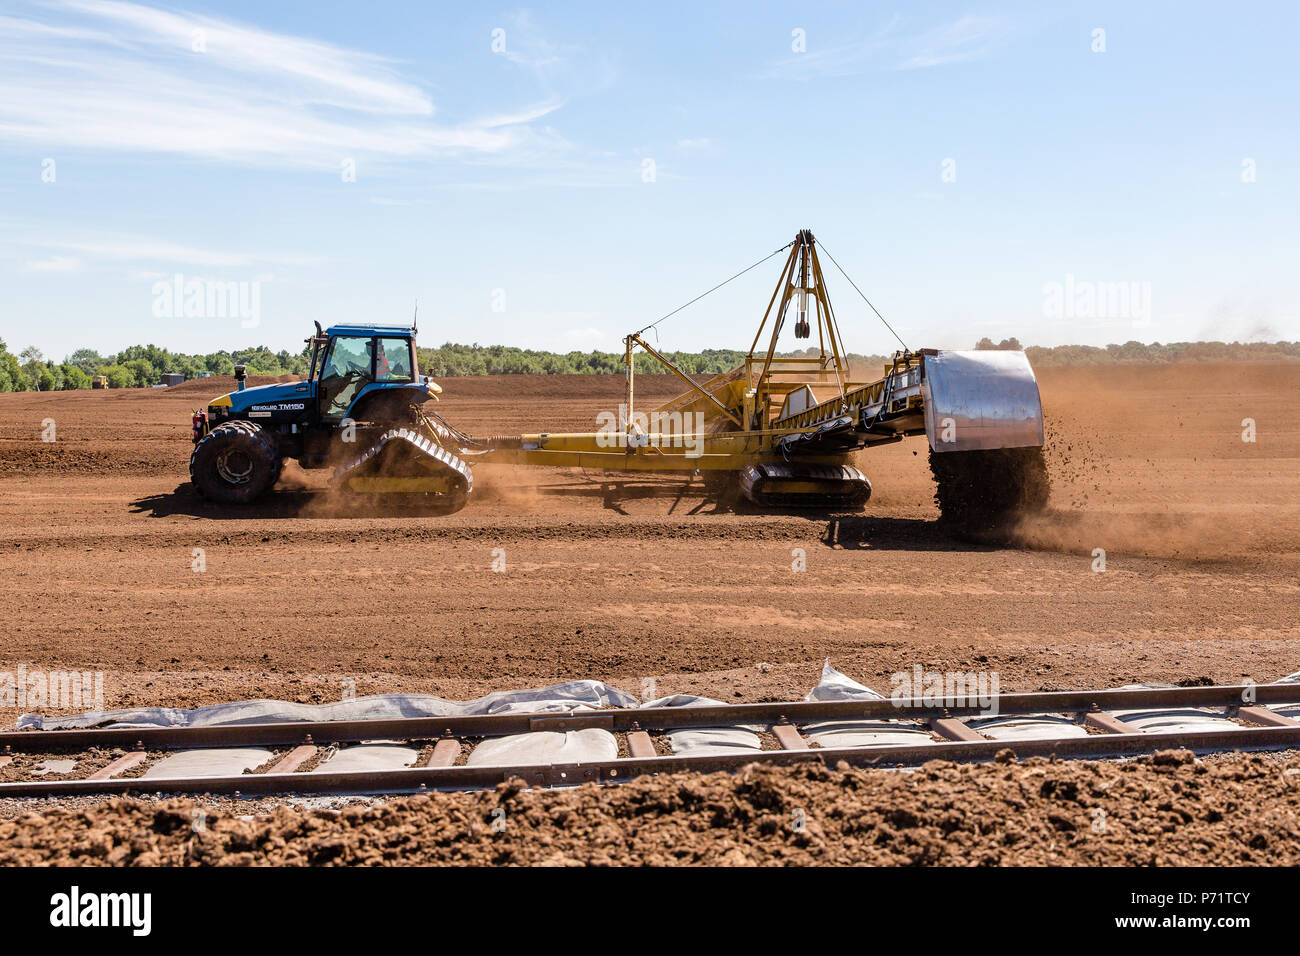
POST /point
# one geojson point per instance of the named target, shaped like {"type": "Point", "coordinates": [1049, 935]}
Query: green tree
{"type": "Point", "coordinates": [32, 363]}
{"type": "Point", "coordinates": [12, 378]}
{"type": "Point", "coordinates": [73, 376]}
{"type": "Point", "coordinates": [219, 363]}
{"type": "Point", "coordinates": [85, 359]}
{"type": "Point", "coordinates": [143, 372]}
{"type": "Point", "coordinates": [119, 376]}
{"type": "Point", "coordinates": [47, 378]}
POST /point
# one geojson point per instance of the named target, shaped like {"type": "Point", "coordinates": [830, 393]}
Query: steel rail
{"type": "Point", "coordinates": [419, 779]}
{"type": "Point", "coordinates": [643, 718]}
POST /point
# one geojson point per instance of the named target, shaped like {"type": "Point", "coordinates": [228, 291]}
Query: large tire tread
{"type": "Point", "coordinates": [248, 437]}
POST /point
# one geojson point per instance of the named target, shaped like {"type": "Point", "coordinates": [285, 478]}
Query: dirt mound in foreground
{"type": "Point", "coordinates": [1162, 810]}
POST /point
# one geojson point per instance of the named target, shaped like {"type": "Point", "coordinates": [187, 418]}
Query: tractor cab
{"type": "Point", "coordinates": [358, 372]}
{"type": "Point", "coordinates": [352, 361]}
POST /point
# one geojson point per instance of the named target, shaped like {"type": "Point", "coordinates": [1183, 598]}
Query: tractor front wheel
{"type": "Point", "coordinates": [234, 463]}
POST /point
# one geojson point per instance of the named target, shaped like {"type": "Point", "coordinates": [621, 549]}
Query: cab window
{"type": "Point", "coordinates": [393, 360]}
{"type": "Point", "coordinates": [345, 372]}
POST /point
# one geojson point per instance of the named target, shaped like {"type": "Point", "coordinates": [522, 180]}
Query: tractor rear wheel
{"type": "Point", "coordinates": [234, 463]}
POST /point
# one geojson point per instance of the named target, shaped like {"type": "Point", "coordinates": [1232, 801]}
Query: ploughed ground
{"type": "Point", "coordinates": [1162, 810]}
{"type": "Point", "coordinates": [628, 579]}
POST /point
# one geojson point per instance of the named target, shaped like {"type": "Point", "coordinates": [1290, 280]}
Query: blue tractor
{"type": "Point", "coordinates": [361, 412]}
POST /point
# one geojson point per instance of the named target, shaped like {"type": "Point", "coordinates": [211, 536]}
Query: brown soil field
{"type": "Point", "coordinates": [627, 579]}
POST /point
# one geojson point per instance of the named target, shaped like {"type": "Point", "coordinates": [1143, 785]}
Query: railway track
{"type": "Point", "coordinates": [1074, 724]}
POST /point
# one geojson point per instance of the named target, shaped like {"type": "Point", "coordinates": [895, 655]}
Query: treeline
{"type": "Point", "coordinates": [141, 366]}
{"type": "Point", "coordinates": [1138, 353]}
{"type": "Point", "coordinates": [451, 360]}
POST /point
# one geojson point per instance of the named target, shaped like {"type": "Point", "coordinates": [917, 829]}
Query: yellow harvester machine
{"type": "Point", "coordinates": [783, 431]}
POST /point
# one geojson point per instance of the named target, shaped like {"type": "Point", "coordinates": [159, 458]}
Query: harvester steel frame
{"type": "Point", "coordinates": [748, 394]}
{"type": "Point", "coordinates": [791, 447]}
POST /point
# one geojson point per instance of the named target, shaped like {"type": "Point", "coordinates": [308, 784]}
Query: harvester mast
{"type": "Point", "coordinates": [768, 384]}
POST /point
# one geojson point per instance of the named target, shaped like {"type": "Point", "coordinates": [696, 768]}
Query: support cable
{"type": "Point", "coordinates": [864, 298]}
{"type": "Point", "coordinates": [716, 288]}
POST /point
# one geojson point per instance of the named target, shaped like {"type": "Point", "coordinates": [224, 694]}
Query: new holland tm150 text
{"type": "Point", "coordinates": [780, 430]}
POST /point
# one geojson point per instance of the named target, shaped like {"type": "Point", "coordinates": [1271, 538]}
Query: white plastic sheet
{"type": "Point", "coordinates": [858, 733]}
{"type": "Point", "coordinates": [713, 741]}
{"type": "Point", "coordinates": [569, 696]}
{"type": "Point", "coordinates": [1177, 721]}
{"type": "Point", "coordinates": [545, 746]}
{"type": "Point", "coordinates": [580, 695]}
{"type": "Point", "coordinates": [209, 762]}
{"type": "Point", "coordinates": [368, 757]}
{"type": "Point", "coordinates": [1043, 727]}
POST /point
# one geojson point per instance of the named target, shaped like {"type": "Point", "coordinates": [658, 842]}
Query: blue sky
{"type": "Point", "coordinates": [964, 163]}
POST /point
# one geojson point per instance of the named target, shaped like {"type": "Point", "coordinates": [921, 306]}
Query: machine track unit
{"type": "Point", "coordinates": [826, 487]}
{"type": "Point", "coordinates": [403, 465]}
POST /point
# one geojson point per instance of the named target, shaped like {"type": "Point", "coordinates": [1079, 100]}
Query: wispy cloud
{"type": "Point", "coordinates": [563, 70]}
{"type": "Point", "coordinates": [969, 38]}
{"type": "Point", "coordinates": [523, 43]}
{"type": "Point", "coordinates": [110, 75]}
{"type": "Point", "coordinates": [54, 264]}
{"type": "Point", "coordinates": [526, 115]}
{"type": "Point", "coordinates": [892, 47]}
{"type": "Point", "coordinates": [144, 249]}
{"type": "Point", "coordinates": [584, 336]}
